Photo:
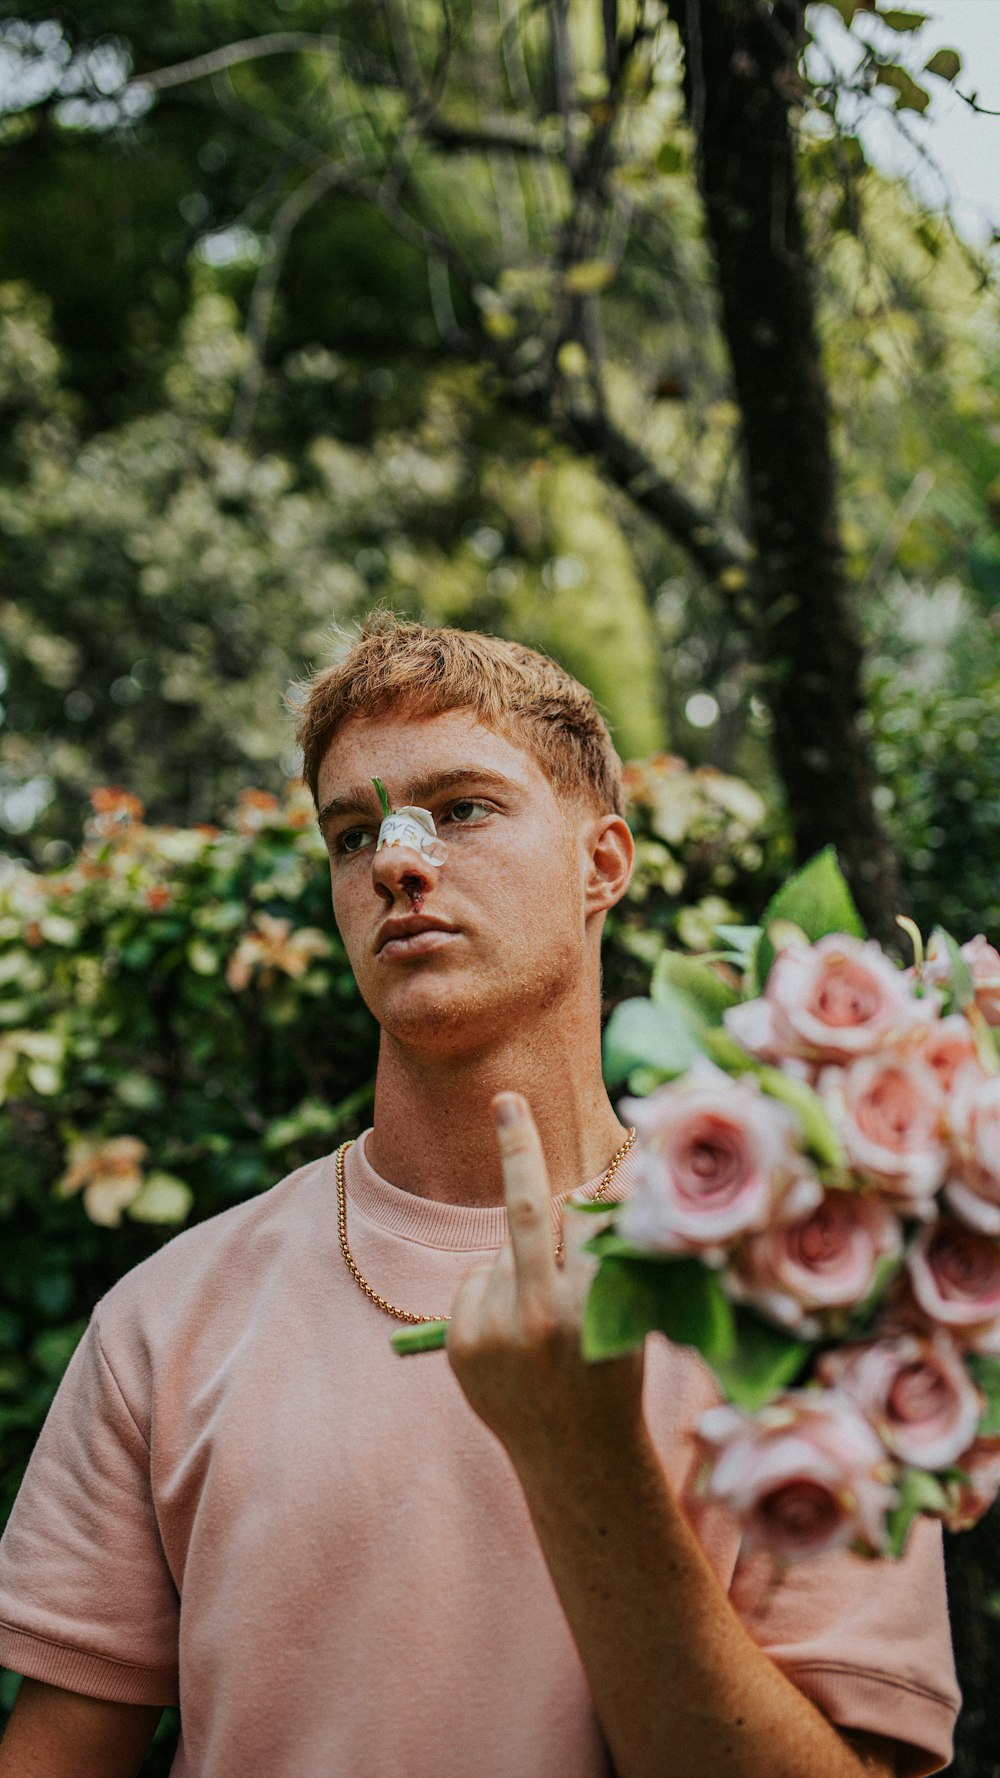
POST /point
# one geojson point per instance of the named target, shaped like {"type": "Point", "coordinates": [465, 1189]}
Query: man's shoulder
{"type": "Point", "coordinates": [224, 1251]}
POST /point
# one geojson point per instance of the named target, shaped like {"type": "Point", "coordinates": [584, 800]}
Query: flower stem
{"type": "Point", "coordinates": [430, 1336]}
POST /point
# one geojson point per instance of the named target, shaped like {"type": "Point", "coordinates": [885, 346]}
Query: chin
{"type": "Point", "coordinates": [448, 1016]}
{"type": "Point", "coordinates": [434, 1016]}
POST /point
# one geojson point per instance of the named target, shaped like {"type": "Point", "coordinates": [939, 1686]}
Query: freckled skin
{"type": "Point", "coordinates": [518, 863]}
{"type": "Point", "coordinates": [512, 999]}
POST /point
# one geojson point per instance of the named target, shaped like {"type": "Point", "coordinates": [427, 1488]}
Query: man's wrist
{"type": "Point", "coordinates": [614, 1460]}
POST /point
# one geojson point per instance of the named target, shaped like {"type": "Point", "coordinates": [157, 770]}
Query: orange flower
{"type": "Point", "coordinates": [111, 799]}
{"type": "Point", "coordinates": [110, 1174]}
{"type": "Point", "coordinates": [274, 946]}
{"type": "Point", "coordinates": [256, 809]}
{"type": "Point", "coordinates": [157, 898]}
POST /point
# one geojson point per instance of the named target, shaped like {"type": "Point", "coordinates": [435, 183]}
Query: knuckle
{"type": "Point", "coordinates": [542, 1326]}
{"type": "Point", "coordinates": [523, 1214]}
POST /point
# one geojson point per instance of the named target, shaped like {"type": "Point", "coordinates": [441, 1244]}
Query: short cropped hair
{"type": "Point", "coordinates": [399, 666]}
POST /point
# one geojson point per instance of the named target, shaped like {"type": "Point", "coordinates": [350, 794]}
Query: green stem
{"type": "Point", "coordinates": [430, 1336]}
{"type": "Point", "coordinates": [383, 798]}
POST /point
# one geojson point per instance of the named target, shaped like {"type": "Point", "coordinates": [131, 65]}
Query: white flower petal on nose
{"type": "Point", "coordinates": [413, 828]}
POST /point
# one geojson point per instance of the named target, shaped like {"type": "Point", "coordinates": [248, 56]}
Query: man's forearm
{"type": "Point", "coordinates": [673, 1673]}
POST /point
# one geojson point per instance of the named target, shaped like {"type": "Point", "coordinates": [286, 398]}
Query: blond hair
{"type": "Point", "coordinates": [396, 665]}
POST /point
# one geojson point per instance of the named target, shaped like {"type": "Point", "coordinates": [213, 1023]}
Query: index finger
{"type": "Point", "coordinates": [526, 1194]}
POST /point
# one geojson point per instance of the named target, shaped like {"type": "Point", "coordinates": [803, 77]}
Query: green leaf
{"type": "Point", "coordinates": [909, 96]}
{"type": "Point", "coordinates": [589, 276]}
{"type": "Point", "coordinates": [698, 982]}
{"type": "Point", "coordinates": [383, 798]}
{"type": "Point", "coordinates": [607, 1243]}
{"type": "Point", "coordinates": [430, 1336]}
{"type": "Point", "coordinates": [945, 63]}
{"type": "Point", "coordinates": [899, 20]}
{"type": "Point", "coordinates": [817, 899]}
{"type": "Point", "coordinates": [163, 1199]}
{"type": "Point", "coordinates": [919, 1492]}
{"type": "Point", "coordinates": [818, 1133]}
{"type": "Point", "coordinates": [962, 986]}
{"type": "Point", "coordinates": [671, 159]}
{"type": "Point", "coordinates": [848, 8]}
{"type": "Point", "coordinates": [681, 1298]}
{"type": "Point", "coordinates": [764, 1360]}
{"type": "Point", "coordinates": [202, 958]}
{"type": "Point", "coordinates": [742, 941]}
{"type": "Point", "coordinates": [985, 1373]}
{"type": "Point", "coordinates": [639, 1032]}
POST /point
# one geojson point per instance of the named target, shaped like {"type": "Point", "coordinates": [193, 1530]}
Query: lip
{"type": "Point", "coordinates": [412, 937]}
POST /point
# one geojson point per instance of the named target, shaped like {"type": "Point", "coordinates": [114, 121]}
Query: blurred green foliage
{"type": "Point", "coordinates": [236, 409]}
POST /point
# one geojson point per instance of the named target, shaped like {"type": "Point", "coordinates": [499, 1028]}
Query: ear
{"type": "Point", "coordinates": [610, 858]}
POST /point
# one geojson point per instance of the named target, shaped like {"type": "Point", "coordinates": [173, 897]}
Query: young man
{"type": "Point", "coordinates": [344, 1564]}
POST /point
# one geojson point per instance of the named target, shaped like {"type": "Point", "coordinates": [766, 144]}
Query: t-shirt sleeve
{"type": "Point", "coordinates": [87, 1600]}
{"type": "Point", "coordinates": [867, 1640]}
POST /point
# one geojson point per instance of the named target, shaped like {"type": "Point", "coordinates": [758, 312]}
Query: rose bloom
{"type": "Point", "coordinates": [825, 1260]}
{"type": "Point", "coordinates": [806, 1475]}
{"type": "Point", "coordinates": [955, 1277]}
{"type": "Point", "coordinates": [949, 1046]}
{"type": "Point", "coordinates": [889, 1111]}
{"type": "Point", "coordinates": [917, 1394]}
{"type": "Point", "coordinates": [981, 1464]}
{"type": "Point", "coordinates": [719, 1158]}
{"type": "Point", "coordinates": [974, 1125]}
{"type": "Point", "coordinates": [983, 964]}
{"type": "Point", "coordinates": [830, 1002]}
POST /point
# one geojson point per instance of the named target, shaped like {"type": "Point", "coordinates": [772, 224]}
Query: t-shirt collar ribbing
{"type": "Point", "coordinates": [460, 1227]}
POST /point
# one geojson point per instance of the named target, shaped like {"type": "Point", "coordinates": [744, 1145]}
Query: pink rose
{"type": "Point", "coordinates": [948, 1047]}
{"type": "Point", "coordinates": [719, 1158]}
{"type": "Point", "coordinates": [955, 1277]}
{"type": "Point", "coordinates": [983, 963]}
{"type": "Point", "coordinates": [826, 1260]}
{"type": "Point", "coordinates": [806, 1475]}
{"type": "Point", "coordinates": [917, 1394]}
{"type": "Point", "coordinates": [889, 1111]}
{"type": "Point", "coordinates": [830, 1002]}
{"type": "Point", "coordinates": [974, 1123]}
{"type": "Point", "coordinates": [981, 1463]}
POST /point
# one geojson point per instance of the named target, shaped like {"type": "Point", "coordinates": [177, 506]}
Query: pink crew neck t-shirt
{"type": "Point", "coordinates": [243, 1502]}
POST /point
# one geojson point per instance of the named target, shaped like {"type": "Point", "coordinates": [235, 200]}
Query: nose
{"type": "Point", "coordinates": [402, 874]}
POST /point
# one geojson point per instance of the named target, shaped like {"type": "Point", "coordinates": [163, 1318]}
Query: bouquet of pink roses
{"type": "Point", "coordinates": [819, 1215]}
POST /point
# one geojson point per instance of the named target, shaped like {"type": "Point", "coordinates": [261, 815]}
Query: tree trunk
{"type": "Point", "coordinates": [973, 1559]}
{"type": "Point", "coordinates": [740, 77]}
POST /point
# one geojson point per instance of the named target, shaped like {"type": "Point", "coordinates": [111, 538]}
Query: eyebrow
{"type": "Point", "coordinates": [361, 799]}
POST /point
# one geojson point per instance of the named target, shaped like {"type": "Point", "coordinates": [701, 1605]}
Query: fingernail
{"type": "Point", "coordinates": [507, 1109]}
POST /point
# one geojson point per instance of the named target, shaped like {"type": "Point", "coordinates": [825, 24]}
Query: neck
{"type": "Point", "coordinates": [433, 1129]}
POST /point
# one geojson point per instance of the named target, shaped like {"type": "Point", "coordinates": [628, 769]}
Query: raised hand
{"type": "Point", "coordinates": [514, 1338]}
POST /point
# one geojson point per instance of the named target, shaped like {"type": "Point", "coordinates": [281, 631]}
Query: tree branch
{"type": "Point", "coordinates": [214, 61]}
{"type": "Point", "coordinates": [725, 562]}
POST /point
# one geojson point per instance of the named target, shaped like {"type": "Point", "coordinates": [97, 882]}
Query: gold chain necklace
{"type": "Point", "coordinates": [359, 1277]}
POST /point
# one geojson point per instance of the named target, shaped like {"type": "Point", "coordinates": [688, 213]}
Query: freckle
{"type": "Point", "coordinates": [739, 1722]}
{"type": "Point", "coordinates": [602, 1531]}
